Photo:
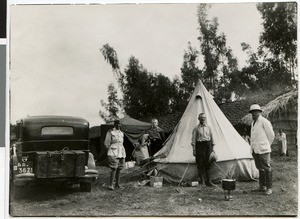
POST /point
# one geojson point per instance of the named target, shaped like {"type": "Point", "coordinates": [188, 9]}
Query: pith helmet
{"type": "Point", "coordinates": [213, 157]}
{"type": "Point", "coordinates": [254, 107]}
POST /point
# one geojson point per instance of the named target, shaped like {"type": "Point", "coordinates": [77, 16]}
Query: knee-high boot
{"type": "Point", "coordinates": [118, 179]}
{"type": "Point", "coordinates": [112, 179]}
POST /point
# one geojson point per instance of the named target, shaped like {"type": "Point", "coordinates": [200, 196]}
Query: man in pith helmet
{"type": "Point", "coordinates": [262, 136]}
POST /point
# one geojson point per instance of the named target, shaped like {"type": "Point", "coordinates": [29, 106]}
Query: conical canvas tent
{"type": "Point", "coordinates": [176, 159]}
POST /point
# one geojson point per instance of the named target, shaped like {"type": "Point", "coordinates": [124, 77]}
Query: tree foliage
{"type": "Point", "coordinates": [113, 107]}
{"type": "Point", "coordinates": [278, 40]}
{"type": "Point", "coordinates": [273, 66]}
{"type": "Point", "coordinates": [219, 61]}
{"type": "Point", "coordinates": [110, 55]}
{"type": "Point", "coordinates": [248, 81]}
{"type": "Point", "coordinates": [144, 93]}
{"type": "Point", "coordinates": [280, 28]}
{"type": "Point", "coordinates": [190, 75]}
{"type": "Point", "coordinates": [210, 47]}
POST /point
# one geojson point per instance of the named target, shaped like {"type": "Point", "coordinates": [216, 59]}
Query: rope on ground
{"type": "Point", "coordinates": [226, 174]}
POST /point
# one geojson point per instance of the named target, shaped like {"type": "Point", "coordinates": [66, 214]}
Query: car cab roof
{"type": "Point", "coordinates": [55, 120]}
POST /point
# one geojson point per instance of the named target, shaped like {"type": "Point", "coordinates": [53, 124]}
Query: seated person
{"type": "Point", "coordinates": [141, 153]}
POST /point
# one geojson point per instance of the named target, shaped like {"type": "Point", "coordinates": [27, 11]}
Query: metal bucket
{"type": "Point", "coordinates": [228, 184]}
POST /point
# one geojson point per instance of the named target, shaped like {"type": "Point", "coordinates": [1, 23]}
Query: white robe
{"type": "Point", "coordinates": [281, 139]}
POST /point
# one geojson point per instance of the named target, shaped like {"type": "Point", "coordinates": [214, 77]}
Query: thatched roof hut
{"type": "Point", "coordinates": [283, 114]}
{"type": "Point", "coordinates": [236, 110]}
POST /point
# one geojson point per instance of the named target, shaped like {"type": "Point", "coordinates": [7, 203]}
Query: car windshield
{"type": "Point", "coordinates": [57, 130]}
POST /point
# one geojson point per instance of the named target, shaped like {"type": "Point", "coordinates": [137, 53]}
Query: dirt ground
{"type": "Point", "coordinates": [137, 200]}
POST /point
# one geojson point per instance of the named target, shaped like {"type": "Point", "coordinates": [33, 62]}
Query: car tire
{"type": "Point", "coordinates": [86, 186]}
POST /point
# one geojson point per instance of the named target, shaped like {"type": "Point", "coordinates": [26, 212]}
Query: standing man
{"type": "Point", "coordinates": [116, 154]}
{"type": "Point", "coordinates": [156, 136]}
{"type": "Point", "coordinates": [203, 143]}
{"type": "Point", "coordinates": [262, 136]}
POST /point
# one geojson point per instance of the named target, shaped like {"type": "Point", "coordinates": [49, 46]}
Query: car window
{"type": "Point", "coordinates": [57, 130]}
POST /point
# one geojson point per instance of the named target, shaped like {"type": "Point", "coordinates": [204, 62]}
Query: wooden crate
{"type": "Point", "coordinates": [156, 181]}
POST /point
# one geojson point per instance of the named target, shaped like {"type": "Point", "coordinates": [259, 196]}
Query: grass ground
{"type": "Point", "coordinates": [136, 200]}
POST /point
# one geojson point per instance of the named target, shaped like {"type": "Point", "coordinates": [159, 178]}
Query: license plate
{"type": "Point", "coordinates": [24, 167]}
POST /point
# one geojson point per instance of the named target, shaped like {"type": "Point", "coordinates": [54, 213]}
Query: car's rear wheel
{"type": "Point", "coordinates": [86, 186]}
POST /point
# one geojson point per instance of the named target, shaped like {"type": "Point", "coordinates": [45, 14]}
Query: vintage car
{"type": "Point", "coordinates": [52, 149]}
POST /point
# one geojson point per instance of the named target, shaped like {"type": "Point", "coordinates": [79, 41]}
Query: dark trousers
{"type": "Point", "coordinates": [263, 164]}
{"type": "Point", "coordinates": [155, 146]}
{"type": "Point", "coordinates": [203, 150]}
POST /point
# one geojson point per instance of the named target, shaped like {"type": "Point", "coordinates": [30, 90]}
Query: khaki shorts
{"type": "Point", "coordinates": [116, 163]}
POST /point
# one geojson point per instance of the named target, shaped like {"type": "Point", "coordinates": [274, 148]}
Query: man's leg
{"type": "Point", "coordinates": [262, 180]}
{"type": "Point", "coordinates": [200, 169]}
{"type": "Point", "coordinates": [113, 164]}
{"type": "Point", "coordinates": [266, 166]}
{"type": "Point", "coordinates": [262, 174]}
{"type": "Point", "coordinates": [118, 179]}
{"type": "Point", "coordinates": [112, 179]}
{"type": "Point", "coordinates": [200, 163]}
{"type": "Point", "coordinates": [118, 173]}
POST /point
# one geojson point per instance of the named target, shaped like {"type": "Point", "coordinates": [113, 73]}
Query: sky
{"type": "Point", "coordinates": [56, 64]}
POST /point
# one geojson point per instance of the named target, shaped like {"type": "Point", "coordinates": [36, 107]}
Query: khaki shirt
{"type": "Point", "coordinates": [202, 133]}
{"type": "Point", "coordinates": [156, 133]}
{"type": "Point", "coordinates": [114, 143]}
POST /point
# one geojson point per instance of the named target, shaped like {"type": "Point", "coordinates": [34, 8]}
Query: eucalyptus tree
{"type": "Point", "coordinates": [144, 93]}
{"type": "Point", "coordinates": [274, 64]}
{"type": "Point", "coordinates": [111, 56]}
{"type": "Point", "coordinates": [278, 40]}
{"type": "Point", "coordinates": [113, 107]}
{"type": "Point", "coordinates": [190, 72]}
{"type": "Point", "coordinates": [219, 61]}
